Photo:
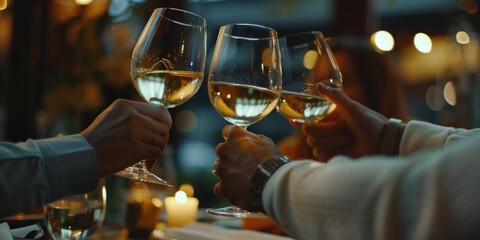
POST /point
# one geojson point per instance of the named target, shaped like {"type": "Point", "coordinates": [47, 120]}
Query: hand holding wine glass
{"type": "Point", "coordinates": [245, 81]}
{"type": "Point", "coordinates": [167, 67]}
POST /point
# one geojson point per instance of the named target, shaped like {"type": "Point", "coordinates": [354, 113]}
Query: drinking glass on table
{"type": "Point", "coordinates": [244, 81]}
{"type": "Point", "coordinates": [306, 61]}
{"type": "Point", "coordinates": [167, 67]}
{"type": "Point", "coordinates": [77, 217]}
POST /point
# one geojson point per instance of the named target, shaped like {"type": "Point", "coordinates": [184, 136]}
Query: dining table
{"type": "Point", "coordinates": [206, 227]}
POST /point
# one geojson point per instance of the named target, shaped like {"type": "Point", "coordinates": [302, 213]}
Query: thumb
{"type": "Point", "coordinates": [232, 129]}
{"type": "Point", "coordinates": [339, 98]}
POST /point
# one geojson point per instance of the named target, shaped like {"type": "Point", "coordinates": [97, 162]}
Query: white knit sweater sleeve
{"type": "Point", "coordinates": [430, 194]}
{"type": "Point", "coordinates": [420, 135]}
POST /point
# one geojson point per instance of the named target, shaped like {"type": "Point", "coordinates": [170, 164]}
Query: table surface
{"type": "Point", "coordinates": [113, 229]}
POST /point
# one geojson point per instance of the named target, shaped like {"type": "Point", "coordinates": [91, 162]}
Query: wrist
{"type": "Point", "coordinates": [261, 176]}
{"type": "Point", "coordinates": [401, 130]}
{"type": "Point", "coordinates": [391, 137]}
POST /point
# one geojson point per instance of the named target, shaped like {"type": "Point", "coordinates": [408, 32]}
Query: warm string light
{"type": "Point", "coordinates": [3, 4]}
{"type": "Point", "coordinates": [382, 40]}
{"type": "Point", "coordinates": [462, 37]}
{"type": "Point", "coordinates": [422, 42]}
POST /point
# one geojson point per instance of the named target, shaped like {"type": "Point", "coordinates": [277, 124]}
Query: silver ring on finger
{"type": "Point", "coordinates": [154, 139]}
{"type": "Point", "coordinates": [214, 168]}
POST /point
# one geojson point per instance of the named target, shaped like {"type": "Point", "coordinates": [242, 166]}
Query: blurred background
{"type": "Point", "coordinates": [63, 61]}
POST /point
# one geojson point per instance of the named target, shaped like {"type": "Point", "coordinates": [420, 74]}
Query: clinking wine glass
{"type": "Point", "coordinates": [244, 82]}
{"type": "Point", "coordinates": [306, 61]}
{"type": "Point", "coordinates": [167, 67]}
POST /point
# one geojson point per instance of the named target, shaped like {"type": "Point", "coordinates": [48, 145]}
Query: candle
{"type": "Point", "coordinates": [180, 209]}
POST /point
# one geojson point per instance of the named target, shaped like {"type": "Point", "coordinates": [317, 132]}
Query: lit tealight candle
{"type": "Point", "coordinates": [180, 209]}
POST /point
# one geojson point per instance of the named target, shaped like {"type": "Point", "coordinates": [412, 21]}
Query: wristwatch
{"type": "Point", "coordinates": [260, 177]}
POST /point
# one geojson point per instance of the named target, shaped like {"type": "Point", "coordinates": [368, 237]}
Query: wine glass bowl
{"type": "Point", "coordinates": [77, 217]}
{"type": "Point", "coordinates": [168, 61]}
{"type": "Point", "coordinates": [306, 61]}
{"type": "Point", "coordinates": [244, 82]}
{"type": "Point", "coordinates": [167, 67]}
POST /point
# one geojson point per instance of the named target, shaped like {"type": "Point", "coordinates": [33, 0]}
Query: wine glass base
{"type": "Point", "coordinates": [142, 176]}
{"type": "Point", "coordinates": [236, 212]}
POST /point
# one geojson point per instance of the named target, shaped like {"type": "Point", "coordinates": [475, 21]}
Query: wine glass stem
{"type": "Point", "coordinates": [140, 168]}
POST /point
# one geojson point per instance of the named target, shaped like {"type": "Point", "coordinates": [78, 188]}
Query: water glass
{"type": "Point", "coordinates": [77, 217]}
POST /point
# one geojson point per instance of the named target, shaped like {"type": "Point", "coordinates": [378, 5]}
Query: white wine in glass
{"type": "Point", "coordinates": [77, 217]}
{"type": "Point", "coordinates": [244, 82]}
{"type": "Point", "coordinates": [306, 61]}
{"type": "Point", "coordinates": [241, 104]}
{"type": "Point", "coordinates": [167, 67]}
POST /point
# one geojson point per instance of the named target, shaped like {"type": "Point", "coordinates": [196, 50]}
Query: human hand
{"type": "Point", "coordinates": [238, 158]}
{"type": "Point", "coordinates": [127, 132]}
{"type": "Point", "coordinates": [352, 129]}
{"type": "Point", "coordinates": [295, 146]}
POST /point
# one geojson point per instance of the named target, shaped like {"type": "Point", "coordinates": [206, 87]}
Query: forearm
{"type": "Point", "coordinates": [333, 201]}
{"type": "Point", "coordinates": [419, 135]}
{"type": "Point", "coordinates": [39, 171]}
{"type": "Point", "coordinates": [429, 194]}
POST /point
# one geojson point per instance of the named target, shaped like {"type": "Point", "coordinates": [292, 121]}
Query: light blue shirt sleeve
{"type": "Point", "coordinates": [37, 172]}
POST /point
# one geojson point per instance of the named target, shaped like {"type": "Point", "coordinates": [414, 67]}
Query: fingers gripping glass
{"type": "Point", "coordinates": [167, 67]}
{"type": "Point", "coordinates": [244, 81]}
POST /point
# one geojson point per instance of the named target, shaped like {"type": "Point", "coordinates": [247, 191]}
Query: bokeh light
{"type": "Point", "coordinates": [422, 42]}
{"type": "Point", "coordinates": [383, 40]}
{"type": "Point", "coordinates": [462, 37]}
{"type": "Point", "coordinates": [449, 93]}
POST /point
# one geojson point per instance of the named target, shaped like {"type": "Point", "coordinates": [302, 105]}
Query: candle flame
{"type": "Point", "coordinates": [181, 197]}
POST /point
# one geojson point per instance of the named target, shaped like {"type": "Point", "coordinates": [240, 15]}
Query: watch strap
{"type": "Point", "coordinates": [262, 174]}
{"type": "Point", "coordinates": [390, 137]}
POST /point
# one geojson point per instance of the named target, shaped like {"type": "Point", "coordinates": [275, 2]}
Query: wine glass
{"type": "Point", "coordinates": [167, 67]}
{"type": "Point", "coordinates": [306, 61]}
{"type": "Point", "coordinates": [77, 217]}
{"type": "Point", "coordinates": [244, 81]}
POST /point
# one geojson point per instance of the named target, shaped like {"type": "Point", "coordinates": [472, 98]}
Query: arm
{"type": "Point", "coordinates": [422, 135]}
{"type": "Point", "coordinates": [356, 131]}
{"type": "Point", "coordinates": [430, 195]}
{"type": "Point", "coordinates": [36, 172]}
